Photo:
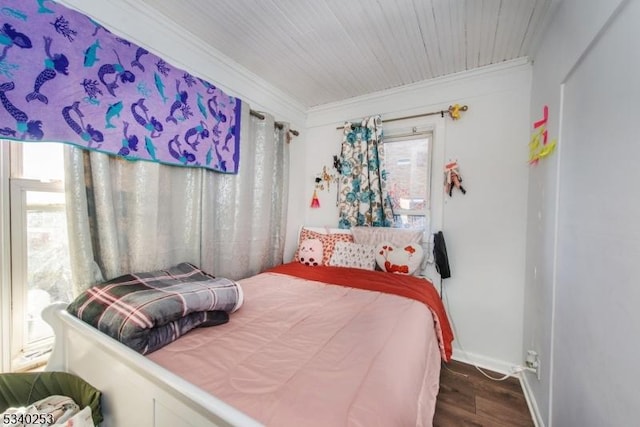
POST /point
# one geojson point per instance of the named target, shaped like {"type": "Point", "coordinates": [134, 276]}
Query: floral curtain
{"type": "Point", "coordinates": [363, 198]}
{"type": "Point", "coordinates": [126, 216]}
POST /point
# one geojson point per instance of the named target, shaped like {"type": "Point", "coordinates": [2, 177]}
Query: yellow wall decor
{"type": "Point", "coordinates": [539, 147]}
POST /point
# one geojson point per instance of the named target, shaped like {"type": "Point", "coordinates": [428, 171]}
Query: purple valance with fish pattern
{"type": "Point", "coordinates": [65, 78]}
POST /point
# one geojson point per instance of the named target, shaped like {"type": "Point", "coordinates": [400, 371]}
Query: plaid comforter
{"type": "Point", "coordinates": [147, 311]}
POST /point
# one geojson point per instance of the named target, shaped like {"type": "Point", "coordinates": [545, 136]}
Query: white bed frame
{"type": "Point", "coordinates": [136, 391]}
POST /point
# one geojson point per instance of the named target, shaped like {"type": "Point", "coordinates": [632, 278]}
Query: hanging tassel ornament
{"type": "Point", "coordinates": [315, 202]}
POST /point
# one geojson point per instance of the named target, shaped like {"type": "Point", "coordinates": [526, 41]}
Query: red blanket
{"type": "Point", "coordinates": [398, 284]}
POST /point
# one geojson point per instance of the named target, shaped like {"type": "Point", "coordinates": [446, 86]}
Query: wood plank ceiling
{"type": "Point", "coordinates": [323, 51]}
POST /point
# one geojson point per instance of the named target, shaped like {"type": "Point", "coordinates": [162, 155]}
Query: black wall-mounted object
{"type": "Point", "coordinates": [440, 255]}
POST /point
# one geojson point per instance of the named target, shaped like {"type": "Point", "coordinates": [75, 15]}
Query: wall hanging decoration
{"type": "Point", "coordinates": [322, 181]}
{"type": "Point", "coordinates": [337, 166]}
{"type": "Point", "coordinates": [65, 78]}
{"type": "Point", "coordinates": [327, 179]}
{"type": "Point", "coordinates": [315, 202]}
{"type": "Point", "coordinates": [539, 146]}
{"type": "Point", "coordinates": [453, 178]}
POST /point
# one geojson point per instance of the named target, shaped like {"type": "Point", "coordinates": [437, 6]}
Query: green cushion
{"type": "Point", "coordinates": [23, 389]}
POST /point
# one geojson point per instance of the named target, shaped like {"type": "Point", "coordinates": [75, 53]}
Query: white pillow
{"type": "Point", "coordinates": [354, 255]}
{"type": "Point", "coordinates": [397, 236]}
{"type": "Point", "coordinates": [326, 230]}
{"type": "Point", "coordinates": [404, 259]}
{"type": "Point", "coordinates": [311, 252]}
{"type": "Point", "coordinates": [327, 239]}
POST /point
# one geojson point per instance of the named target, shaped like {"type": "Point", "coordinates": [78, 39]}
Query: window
{"type": "Point", "coordinates": [407, 162]}
{"type": "Point", "coordinates": [38, 250]}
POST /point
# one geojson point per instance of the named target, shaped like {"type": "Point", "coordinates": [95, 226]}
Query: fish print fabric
{"type": "Point", "coordinates": [65, 78]}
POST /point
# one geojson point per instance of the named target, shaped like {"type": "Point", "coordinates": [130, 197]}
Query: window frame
{"type": "Point", "coordinates": [440, 152]}
{"type": "Point", "coordinates": [416, 134]}
{"type": "Point", "coordinates": [5, 259]}
{"type": "Point", "coordinates": [19, 187]}
{"type": "Point", "coordinates": [16, 354]}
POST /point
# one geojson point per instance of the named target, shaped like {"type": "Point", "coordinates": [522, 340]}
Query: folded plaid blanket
{"type": "Point", "coordinates": [147, 311]}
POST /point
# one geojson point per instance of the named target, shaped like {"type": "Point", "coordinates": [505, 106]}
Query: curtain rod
{"type": "Point", "coordinates": [277, 124]}
{"type": "Point", "coordinates": [453, 111]}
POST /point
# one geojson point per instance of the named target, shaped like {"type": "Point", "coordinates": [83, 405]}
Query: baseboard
{"type": "Point", "coordinates": [482, 361]}
{"type": "Point", "coordinates": [503, 367]}
{"type": "Point", "coordinates": [531, 400]}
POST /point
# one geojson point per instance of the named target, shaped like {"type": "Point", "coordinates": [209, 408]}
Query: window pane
{"type": "Point", "coordinates": [407, 166]}
{"type": "Point", "coordinates": [48, 267]}
{"type": "Point", "coordinates": [44, 199]}
{"type": "Point", "coordinates": [42, 160]}
{"type": "Point", "coordinates": [410, 221]}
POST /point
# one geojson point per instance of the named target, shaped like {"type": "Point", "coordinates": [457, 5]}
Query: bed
{"type": "Point", "coordinates": [312, 346]}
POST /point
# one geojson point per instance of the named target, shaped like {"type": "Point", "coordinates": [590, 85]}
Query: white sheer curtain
{"type": "Point", "coordinates": [129, 216]}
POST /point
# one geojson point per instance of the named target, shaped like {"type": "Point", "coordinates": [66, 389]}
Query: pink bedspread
{"type": "Point", "coordinates": [302, 353]}
{"type": "Point", "coordinates": [403, 285]}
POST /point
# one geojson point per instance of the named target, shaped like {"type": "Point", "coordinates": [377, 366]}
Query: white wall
{"type": "Point", "coordinates": [485, 229]}
{"type": "Point", "coordinates": [582, 234]}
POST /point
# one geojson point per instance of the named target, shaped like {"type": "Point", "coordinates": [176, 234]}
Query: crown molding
{"type": "Point", "coordinates": [427, 95]}
{"type": "Point", "coordinates": [459, 77]}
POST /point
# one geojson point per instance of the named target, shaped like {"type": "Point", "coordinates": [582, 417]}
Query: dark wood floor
{"type": "Point", "coordinates": [467, 398]}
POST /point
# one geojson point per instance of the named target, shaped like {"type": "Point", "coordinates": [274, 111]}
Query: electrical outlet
{"type": "Point", "coordinates": [533, 362]}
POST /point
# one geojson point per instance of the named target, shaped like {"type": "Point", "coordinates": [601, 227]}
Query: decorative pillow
{"type": "Point", "coordinates": [353, 255]}
{"type": "Point", "coordinates": [399, 259]}
{"type": "Point", "coordinates": [328, 242]}
{"type": "Point", "coordinates": [310, 252]}
{"type": "Point", "coordinates": [396, 236]}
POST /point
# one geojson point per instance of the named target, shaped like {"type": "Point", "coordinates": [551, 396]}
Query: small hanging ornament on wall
{"type": "Point", "coordinates": [323, 180]}
{"type": "Point", "coordinates": [453, 178]}
{"type": "Point", "coordinates": [315, 202]}
{"type": "Point", "coordinates": [327, 178]}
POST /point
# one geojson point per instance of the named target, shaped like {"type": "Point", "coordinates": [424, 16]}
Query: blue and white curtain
{"type": "Point", "coordinates": [363, 198]}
